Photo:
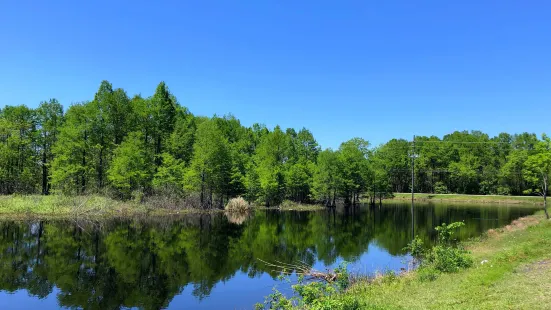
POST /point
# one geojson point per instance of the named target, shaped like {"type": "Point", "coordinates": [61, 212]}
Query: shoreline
{"type": "Point", "coordinates": [463, 198]}
{"type": "Point", "coordinates": [512, 269]}
{"type": "Point", "coordinates": [52, 207]}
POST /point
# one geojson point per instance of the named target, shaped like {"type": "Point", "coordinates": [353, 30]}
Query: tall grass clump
{"type": "Point", "coordinates": [237, 204]}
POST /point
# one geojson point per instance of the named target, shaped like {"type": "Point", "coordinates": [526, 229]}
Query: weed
{"type": "Point", "coordinates": [315, 295]}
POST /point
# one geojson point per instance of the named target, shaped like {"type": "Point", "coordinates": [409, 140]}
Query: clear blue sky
{"type": "Point", "coordinates": [373, 69]}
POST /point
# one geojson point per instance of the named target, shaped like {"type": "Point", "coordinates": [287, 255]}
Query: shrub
{"type": "Point", "coordinates": [237, 204]}
{"type": "Point", "coordinates": [415, 248]}
{"type": "Point", "coordinates": [448, 259]}
{"type": "Point", "coordinates": [445, 232]}
{"type": "Point", "coordinates": [440, 188]}
{"type": "Point", "coordinates": [315, 295]}
{"type": "Point", "coordinates": [446, 256]}
{"type": "Point", "coordinates": [503, 190]}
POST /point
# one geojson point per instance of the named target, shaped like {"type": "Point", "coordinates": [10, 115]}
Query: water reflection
{"type": "Point", "coordinates": [146, 263]}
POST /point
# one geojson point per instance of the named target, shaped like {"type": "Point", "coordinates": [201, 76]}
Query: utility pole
{"type": "Point", "coordinates": [413, 156]}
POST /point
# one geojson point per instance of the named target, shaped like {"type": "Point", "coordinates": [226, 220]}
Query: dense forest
{"type": "Point", "coordinates": [136, 147]}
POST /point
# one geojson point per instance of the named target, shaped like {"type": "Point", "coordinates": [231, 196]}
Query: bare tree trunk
{"type": "Point", "coordinates": [545, 197]}
{"type": "Point", "coordinates": [44, 173]}
{"type": "Point", "coordinates": [545, 205]}
{"type": "Point", "coordinates": [202, 190]}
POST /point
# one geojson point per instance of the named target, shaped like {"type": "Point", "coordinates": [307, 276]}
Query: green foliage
{"type": "Point", "coordinates": [210, 168]}
{"type": "Point", "coordinates": [132, 165]}
{"type": "Point", "coordinates": [315, 295]}
{"type": "Point", "coordinates": [326, 177]}
{"type": "Point", "coordinates": [428, 273]}
{"type": "Point", "coordinates": [538, 166]}
{"type": "Point", "coordinates": [218, 158]}
{"type": "Point", "coordinates": [447, 256]}
{"type": "Point", "coordinates": [353, 156]}
{"type": "Point", "coordinates": [71, 168]}
{"type": "Point", "coordinates": [448, 259]}
{"type": "Point", "coordinates": [440, 188]}
{"type": "Point", "coordinates": [169, 179]}
{"type": "Point", "coordinates": [444, 257]}
{"type": "Point", "coordinates": [445, 232]}
{"type": "Point", "coordinates": [416, 248]}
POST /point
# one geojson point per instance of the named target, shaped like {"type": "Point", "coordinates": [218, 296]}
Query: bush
{"type": "Point", "coordinates": [315, 295]}
{"type": "Point", "coordinates": [440, 188]}
{"type": "Point", "coordinates": [415, 248]}
{"type": "Point", "coordinates": [237, 204]}
{"type": "Point", "coordinates": [445, 232]}
{"type": "Point", "coordinates": [503, 190]}
{"type": "Point", "coordinates": [448, 259]}
{"type": "Point", "coordinates": [445, 257]}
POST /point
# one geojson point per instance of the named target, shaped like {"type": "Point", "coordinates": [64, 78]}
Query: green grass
{"type": "Point", "coordinates": [517, 276]}
{"type": "Point", "coordinates": [470, 198]}
{"type": "Point", "coordinates": [288, 205]}
{"type": "Point", "coordinates": [96, 206]}
{"type": "Point", "coordinates": [59, 206]}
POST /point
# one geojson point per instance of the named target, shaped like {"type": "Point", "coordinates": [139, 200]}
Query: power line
{"type": "Point", "coordinates": [465, 142]}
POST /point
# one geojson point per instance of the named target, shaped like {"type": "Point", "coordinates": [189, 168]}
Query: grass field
{"type": "Point", "coordinates": [517, 275]}
{"type": "Point", "coordinates": [96, 206]}
{"type": "Point", "coordinates": [93, 206]}
{"type": "Point", "coordinates": [470, 198]}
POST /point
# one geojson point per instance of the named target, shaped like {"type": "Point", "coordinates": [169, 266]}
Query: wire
{"type": "Point", "coordinates": [463, 142]}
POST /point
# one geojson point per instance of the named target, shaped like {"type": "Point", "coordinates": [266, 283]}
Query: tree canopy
{"type": "Point", "coordinates": [153, 145]}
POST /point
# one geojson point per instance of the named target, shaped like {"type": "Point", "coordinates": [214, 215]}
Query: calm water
{"type": "Point", "coordinates": [208, 261]}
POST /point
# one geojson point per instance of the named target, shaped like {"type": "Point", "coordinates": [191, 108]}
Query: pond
{"type": "Point", "coordinates": [210, 261]}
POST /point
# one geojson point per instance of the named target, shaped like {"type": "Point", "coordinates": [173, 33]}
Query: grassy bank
{"type": "Point", "coordinates": [96, 206]}
{"type": "Point", "coordinates": [288, 205]}
{"type": "Point", "coordinates": [469, 198]}
{"type": "Point", "coordinates": [517, 275]}
{"type": "Point", "coordinates": [57, 206]}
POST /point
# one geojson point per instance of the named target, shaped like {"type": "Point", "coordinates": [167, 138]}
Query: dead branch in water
{"type": "Point", "coordinates": [302, 269]}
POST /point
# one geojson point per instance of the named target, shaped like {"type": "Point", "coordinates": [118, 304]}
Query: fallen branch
{"type": "Point", "coordinates": [302, 269]}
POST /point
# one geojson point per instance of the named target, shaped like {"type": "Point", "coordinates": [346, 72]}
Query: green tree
{"type": "Point", "coordinates": [132, 165]}
{"type": "Point", "coordinates": [180, 143]}
{"type": "Point", "coordinates": [307, 147]}
{"type": "Point", "coordinates": [169, 178]}
{"type": "Point", "coordinates": [353, 156]}
{"type": "Point", "coordinates": [18, 155]}
{"type": "Point", "coordinates": [101, 131]}
{"type": "Point", "coordinates": [163, 117]}
{"type": "Point", "coordinates": [72, 167]}
{"type": "Point", "coordinates": [270, 156]}
{"type": "Point", "coordinates": [210, 168]}
{"type": "Point", "coordinates": [299, 181]}
{"type": "Point", "coordinates": [326, 177]}
{"type": "Point", "coordinates": [50, 119]}
{"type": "Point", "coordinates": [538, 170]}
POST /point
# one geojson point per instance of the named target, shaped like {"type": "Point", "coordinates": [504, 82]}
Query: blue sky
{"type": "Point", "coordinates": [373, 69]}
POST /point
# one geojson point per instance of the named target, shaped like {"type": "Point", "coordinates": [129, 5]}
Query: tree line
{"type": "Point", "coordinates": [136, 147]}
